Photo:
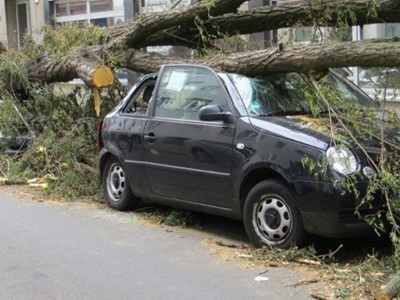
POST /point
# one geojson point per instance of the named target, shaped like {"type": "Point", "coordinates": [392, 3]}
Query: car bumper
{"type": "Point", "coordinates": [331, 212]}
{"type": "Point", "coordinates": [343, 224]}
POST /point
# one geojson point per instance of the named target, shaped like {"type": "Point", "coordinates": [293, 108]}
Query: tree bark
{"type": "Point", "coordinates": [2, 48]}
{"type": "Point", "coordinates": [79, 65]}
{"type": "Point", "coordinates": [306, 58]}
{"type": "Point", "coordinates": [136, 8]}
{"type": "Point", "coordinates": [324, 13]}
{"type": "Point", "coordinates": [302, 58]}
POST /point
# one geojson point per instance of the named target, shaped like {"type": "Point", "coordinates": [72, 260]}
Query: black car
{"type": "Point", "coordinates": [13, 139]}
{"type": "Point", "coordinates": [227, 144]}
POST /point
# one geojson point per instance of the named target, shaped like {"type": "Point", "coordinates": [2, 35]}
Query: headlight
{"type": "Point", "coordinates": [342, 160]}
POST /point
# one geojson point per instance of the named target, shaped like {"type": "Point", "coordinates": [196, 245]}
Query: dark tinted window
{"type": "Point", "coordinates": [139, 103]}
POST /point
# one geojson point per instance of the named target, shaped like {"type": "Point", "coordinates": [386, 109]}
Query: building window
{"type": "Point", "coordinates": [70, 8]}
{"type": "Point", "coordinates": [98, 12]}
{"type": "Point", "coordinates": [103, 22]}
{"type": "Point", "coordinates": [100, 5]}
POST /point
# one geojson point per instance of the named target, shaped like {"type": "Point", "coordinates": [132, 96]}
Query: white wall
{"type": "Point", "coordinates": [373, 31]}
{"type": "Point", "coordinates": [37, 19]}
{"type": "Point", "coordinates": [3, 27]}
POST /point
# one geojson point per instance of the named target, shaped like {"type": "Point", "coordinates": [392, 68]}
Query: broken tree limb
{"type": "Point", "coordinates": [308, 13]}
{"type": "Point", "coordinates": [304, 13]}
{"type": "Point", "coordinates": [302, 282]}
{"type": "Point", "coordinates": [135, 34]}
{"type": "Point", "coordinates": [83, 65]}
{"type": "Point", "coordinates": [320, 296]}
{"type": "Point", "coordinates": [102, 77]}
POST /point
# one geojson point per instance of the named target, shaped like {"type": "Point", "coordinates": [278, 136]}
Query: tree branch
{"type": "Point", "coordinates": [135, 34]}
{"type": "Point", "coordinates": [349, 12]}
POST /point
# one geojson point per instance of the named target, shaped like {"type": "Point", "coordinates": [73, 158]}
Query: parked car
{"type": "Point", "coordinates": [18, 141]}
{"type": "Point", "coordinates": [13, 139]}
{"type": "Point", "coordinates": [227, 144]}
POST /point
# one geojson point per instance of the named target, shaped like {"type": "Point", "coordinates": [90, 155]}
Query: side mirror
{"type": "Point", "coordinates": [215, 113]}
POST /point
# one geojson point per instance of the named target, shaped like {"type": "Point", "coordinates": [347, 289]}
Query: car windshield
{"type": "Point", "coordinates": [290, 94]}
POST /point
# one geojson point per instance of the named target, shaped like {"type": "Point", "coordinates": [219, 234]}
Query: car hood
{"type": "Point", "coordinates": [303, 129]}
{"type": "Point", "coordinates": [316, 131]}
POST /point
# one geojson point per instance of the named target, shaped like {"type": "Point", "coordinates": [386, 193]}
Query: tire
{"type": "Point", "coordinates": [271, 217]}
{"type": "Point", "coordinates": [116, 187]}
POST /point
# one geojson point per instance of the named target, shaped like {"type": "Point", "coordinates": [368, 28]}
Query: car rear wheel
{"type": "Point", "coordinates": [271, 217]}
{"type": "Point", "coordinates": [116, 188]}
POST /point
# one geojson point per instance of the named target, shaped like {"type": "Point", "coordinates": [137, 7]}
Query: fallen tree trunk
{"type": "Point", "coordinates": [302, 58]}
{"type": "Point", "coordinates": [151, 29]}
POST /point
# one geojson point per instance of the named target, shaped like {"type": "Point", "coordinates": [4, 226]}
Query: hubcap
{"type": "Point", "coordinates": [116, 182]}
{"type": "Point", "coordinates": [272, 220]}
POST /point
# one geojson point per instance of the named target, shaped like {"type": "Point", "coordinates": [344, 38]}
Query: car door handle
{"type": "Point", "coordinates": [151, 138]}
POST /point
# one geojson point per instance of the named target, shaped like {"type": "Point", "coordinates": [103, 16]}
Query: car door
{"type": "Point", "coordinates": [126, 133]}
{"type": "Point", "coordinates": [188, 159]}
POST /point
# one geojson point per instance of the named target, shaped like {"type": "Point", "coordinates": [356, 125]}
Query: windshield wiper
{"type": "Point", "coordinates": [283, 113]}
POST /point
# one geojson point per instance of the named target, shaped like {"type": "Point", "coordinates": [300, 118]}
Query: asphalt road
{"type": "Point", "coordinates": [50, 251]}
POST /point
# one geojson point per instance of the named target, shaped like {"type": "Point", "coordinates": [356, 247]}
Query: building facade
{"type": "Point", "coordinates": [20, 17]}
{"type": "Point", "coordinates": [98, 12]}
{"type": "Point", "coordinates": [27, 17]}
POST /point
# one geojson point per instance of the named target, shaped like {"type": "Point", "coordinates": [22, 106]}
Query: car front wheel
{"type": "Point", "coordinates": [116, 187]}
{"type": "Point", "coordinates": [271, 217]}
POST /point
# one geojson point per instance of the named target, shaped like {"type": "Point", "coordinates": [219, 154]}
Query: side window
{"type": "Point", "coordinates": [184, 90]}
{"type": "Point", "coordinates": [139, 103]}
